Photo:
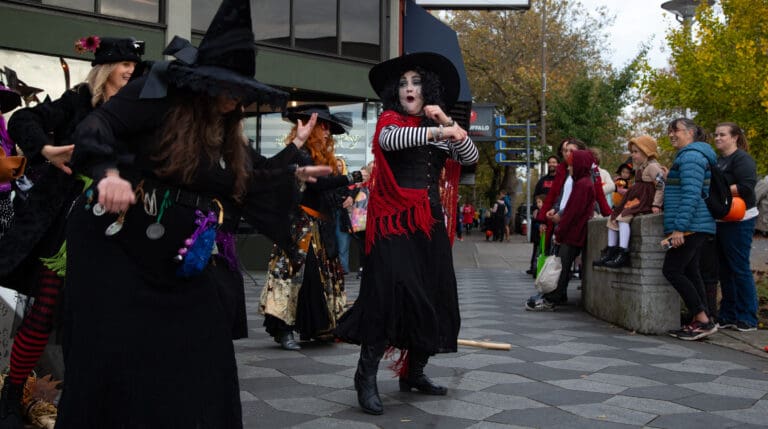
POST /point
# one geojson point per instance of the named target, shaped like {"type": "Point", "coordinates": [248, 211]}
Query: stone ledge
{"type": "Point", "coordinates": [637, 297]}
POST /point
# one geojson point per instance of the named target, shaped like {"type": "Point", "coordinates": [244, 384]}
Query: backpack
{"type": "Point", "coordinates": [719, 199]}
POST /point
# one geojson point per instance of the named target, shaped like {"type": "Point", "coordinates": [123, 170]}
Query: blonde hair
{"type": "Point", "coordinates": [97, 82]}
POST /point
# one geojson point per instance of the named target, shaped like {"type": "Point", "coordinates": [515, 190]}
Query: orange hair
{"type": "Point", "coordinates": [321, 150]}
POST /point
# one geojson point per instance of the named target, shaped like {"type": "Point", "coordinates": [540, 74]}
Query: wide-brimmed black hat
{"type": "Point", "coordinates": [389, 70]}
{"type": "Point", "coordinates": [339, 123]}
{"type": "Point", "coordinates": [224, 63]}
{"type": "Point", "coordinates": [9, 99]}
{"type": "Point", "coordinates": [108, 50]}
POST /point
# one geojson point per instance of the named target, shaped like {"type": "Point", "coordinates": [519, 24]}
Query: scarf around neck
{"type": "Point", "coordinates": [394, 210]}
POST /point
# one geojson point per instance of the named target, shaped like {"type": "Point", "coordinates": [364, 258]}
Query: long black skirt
{"type": "Point", "coordinates": [408, 294]}
{"type": "Point", "coordinates": [142, 349]}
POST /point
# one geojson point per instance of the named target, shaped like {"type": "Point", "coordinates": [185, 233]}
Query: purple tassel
{"type": "Point", "coordinates": [227, 250]}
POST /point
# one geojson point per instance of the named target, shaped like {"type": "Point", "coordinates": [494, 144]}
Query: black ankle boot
{"type": "Point", "coordinates": [607, 254]}
{"type": "Point", "coordinates": [620, 260]}
{"type": "Point", "coordinates": [10, 406]}
{"type": "Point", "coordinates": [416, 379]}
{"type": "Point", "coordinates": [365, 378]}
{"type": "Point", "coordinates": [286, 340]}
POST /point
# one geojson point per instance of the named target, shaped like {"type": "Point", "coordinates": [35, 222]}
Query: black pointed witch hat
{"type": "Point", "coordinates": [224, 64]}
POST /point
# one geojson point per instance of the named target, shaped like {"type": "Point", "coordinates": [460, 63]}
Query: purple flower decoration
{"type": "Point", "coordinates": [86, 44]}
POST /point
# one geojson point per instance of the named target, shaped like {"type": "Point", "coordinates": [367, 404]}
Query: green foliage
{"type": "Point", "coordinates": [589, 108]}
{"type": "Point", "coordinates": [721, 73]}
{"type": "Point", "coordinates": [502, 56]}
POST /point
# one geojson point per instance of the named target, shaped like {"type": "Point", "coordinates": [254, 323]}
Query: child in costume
{"type": "Point", "coordinates": [646, 195]}
{"type": "Point", "coordinates": [622, 181]}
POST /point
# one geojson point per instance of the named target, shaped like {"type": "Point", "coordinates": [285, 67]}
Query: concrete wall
{"type": "Point", "coordinates": [638, 297]}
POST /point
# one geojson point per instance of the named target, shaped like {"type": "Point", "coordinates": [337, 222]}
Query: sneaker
{"type": "Point", "coordinates": [676, 332]}
{"type": "Point", "coordinates": [539, 305]}
{"type": "Point", "coordinates": [697, 330]}
{"type": "Point", "coordinates": [726, 324]}
{"type": "Point", "coordinates": [745, 327]}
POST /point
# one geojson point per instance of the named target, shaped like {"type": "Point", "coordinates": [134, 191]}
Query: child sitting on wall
{"type": "Point", "coordinates": [646, 195]}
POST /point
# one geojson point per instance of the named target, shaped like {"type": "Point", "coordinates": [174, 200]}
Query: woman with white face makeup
{"type": "Point", "coordinates": [38, 230]}
{"type": "Point", "coordinates": [408, 298]}
{"type": "Point", "coordinates": [738, 308]}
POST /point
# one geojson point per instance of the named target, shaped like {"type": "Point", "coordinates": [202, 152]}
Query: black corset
{"type": "Point", "coordinates": [418, 168]}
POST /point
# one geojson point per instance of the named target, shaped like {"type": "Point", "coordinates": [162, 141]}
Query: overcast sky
{"type": "Point", "coordinates": [637, 22]}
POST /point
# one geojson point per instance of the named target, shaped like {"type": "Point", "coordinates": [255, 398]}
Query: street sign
{"type": "Point", "coordinates": [501, 158]}
{"type": "Point", "coordinates": [502, 145]}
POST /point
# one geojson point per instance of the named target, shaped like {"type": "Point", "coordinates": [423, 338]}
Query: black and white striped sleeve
{"type": "Point", "coordinates": [393, 137]}
{"type": "Point", "coordinates": [465, 151]}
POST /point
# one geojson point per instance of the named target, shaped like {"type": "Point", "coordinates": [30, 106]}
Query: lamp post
{"type": "Point", "coordinates": [684, 11]}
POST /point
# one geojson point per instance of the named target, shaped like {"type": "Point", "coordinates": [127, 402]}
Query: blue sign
{"type": "Point", "coordinates": [501, 158]}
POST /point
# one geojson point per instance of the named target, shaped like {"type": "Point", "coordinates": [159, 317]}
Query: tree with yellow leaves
{"type": "Point", "coordinates": [721, 73]}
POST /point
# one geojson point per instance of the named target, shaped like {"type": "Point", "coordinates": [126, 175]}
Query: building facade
{"type": "Point", "coordinates": [317, 50]}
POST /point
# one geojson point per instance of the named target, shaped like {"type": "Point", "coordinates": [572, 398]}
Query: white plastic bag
{"type": "Point", "coordinates": [547, 279]}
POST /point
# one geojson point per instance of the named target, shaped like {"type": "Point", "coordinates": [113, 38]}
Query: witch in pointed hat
{"type": "Point", "coordinates": [156, 293]}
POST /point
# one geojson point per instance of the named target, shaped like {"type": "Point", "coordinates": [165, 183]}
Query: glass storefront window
{"type": "Point", "coordinates": [272, 21]}
{"type": "Point", "coordinates": [141, 10]}
{"type": "Point", "coordinates": [314, 24]}
{"type": "Point", "coordinates": [86, 5]}
{"type": "Point", "coordinates": [355, 147]}
{"type": "Point", "coordinates": [43, 72]}
{"type": "Point", "coordinates": [360, 29]}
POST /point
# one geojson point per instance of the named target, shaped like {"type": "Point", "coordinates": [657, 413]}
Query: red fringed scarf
{"type": "Point", "coordinates": [449, 195]}
{"type": "Point", "coordinates": [388, 203]}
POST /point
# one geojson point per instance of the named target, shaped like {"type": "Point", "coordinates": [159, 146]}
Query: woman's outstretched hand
{"type": "Point", "coordinates": [310, 173]}
{"type": "Point", "coordinates": [59, 156]}
{"type": "Point", "coordinates": [303, 130]}
{"type": "Point", "coordinates": [115, 193]}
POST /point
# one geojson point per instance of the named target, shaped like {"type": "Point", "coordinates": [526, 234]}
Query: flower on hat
{"type": "Point", "coordinates": [89, 43]}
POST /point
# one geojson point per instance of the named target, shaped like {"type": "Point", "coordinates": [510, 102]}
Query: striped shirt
{"type": "Point", "coordinates": [394, 138]}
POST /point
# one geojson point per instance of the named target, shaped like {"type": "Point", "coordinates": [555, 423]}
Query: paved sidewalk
{"type": "Point", "coordinates": [565, 369]}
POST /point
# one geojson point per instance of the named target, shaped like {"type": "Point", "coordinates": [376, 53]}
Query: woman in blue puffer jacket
{"type": "Point", "coordinates": [688, 223]}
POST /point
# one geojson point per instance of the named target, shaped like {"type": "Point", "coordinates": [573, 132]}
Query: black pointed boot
{"type": "Point", "coordinates": [607, 254]}
{"type": "Point", "coordinates": [365, 378]}
{"type": "Point", "coordinates": [416, 379]}
{"type": "Point", "coordinates": [620, 260]}
{"type": "Point", "coordinates": [10, 406]}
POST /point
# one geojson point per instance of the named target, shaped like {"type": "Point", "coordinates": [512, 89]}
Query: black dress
{"type": "Point", "coordinates": [143, 347]}
{"type": "Point", "coordinates": [309, 299]}
{"type": "Point", "coordinates": [408, 295]}
{"type": "Point", "coordinates": [40, 216]}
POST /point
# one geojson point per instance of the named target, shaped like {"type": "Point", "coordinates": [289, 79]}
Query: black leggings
{"type": "Point", "coordinates": [681, 268]}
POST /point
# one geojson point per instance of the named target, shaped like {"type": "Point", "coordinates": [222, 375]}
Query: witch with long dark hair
{"type": "Point", "coordinates": [154, 294]}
